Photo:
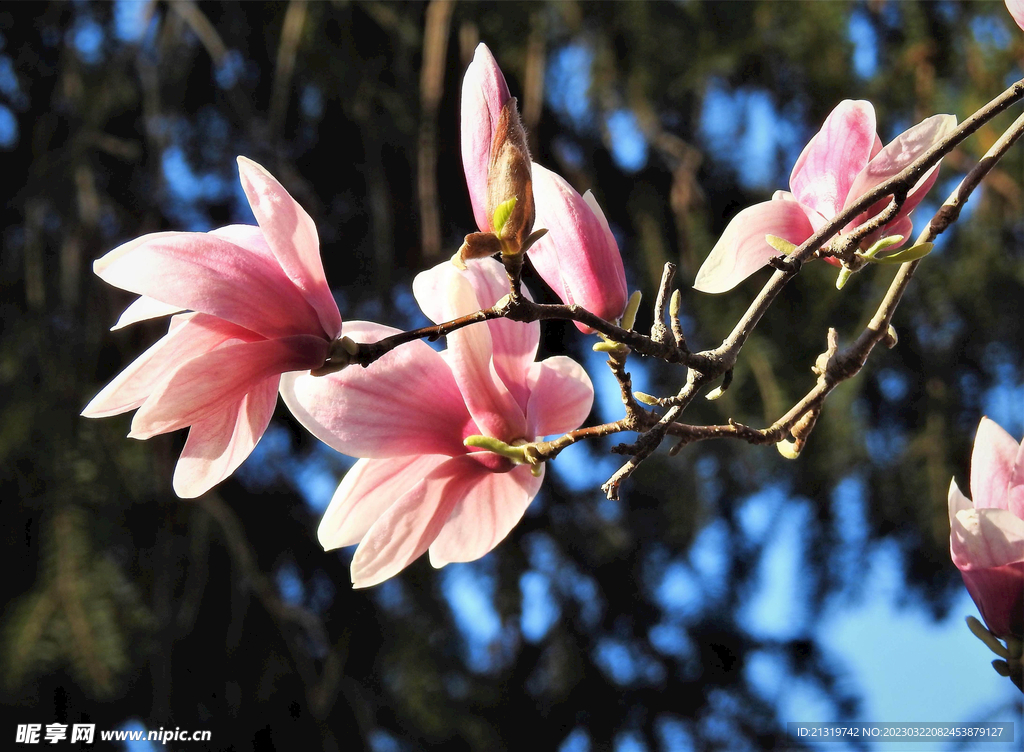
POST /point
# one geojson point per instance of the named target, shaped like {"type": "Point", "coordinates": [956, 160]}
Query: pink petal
{"type": "Point", "coordinates": [992, 465]}
{"type": "Point", "coordinates": [1016, 8]}
{"type": "Point", "coordinates": [983, 538]}
{"type": "Point", "coordinates": [578, 258]}
{"type": "Point", "coordinates": [291, 235]}
{"type": "Point", "coordinates": [957, 501]}
{"type": "Point", "coordinates": [494, 409]}
{"type": "Point", "coordinates": [368, 489]}
{"type": "Point", "coordinates": [143, 309]}
{"type": "Point", "coordinates": [999, 595]}
{"type": "Point", "coordinates": [742, 249]}
{"type": "Point", "coordinates": [407, 402]}
{"type": "Point", "coordinates": [215, 381]}
{"type": "Point", "coordinates": [410, 525]}
{"type": "Point", "coordinates": [897, 156]}
{"type": "Point", "coordinates": [1015, 488]}
{"type": "Point", "coordinates": [485, 515]}
{"type": "Point", "coordinates": [515, 343]}
{"type": "Point", "coordinates": [202, 272]}
{"type": "Point", "coordinates": [191, 335]}
{"type": "Point", "coordinates": [561, 396]}
{"type": "Point", "coordinates": [249, 237]}
{"type": "Point", "coordinates": [830, 162]}
{"type": "Point", "coordinates": [217, 445]}
{"type": "Point", "coordinates": [484, 93]}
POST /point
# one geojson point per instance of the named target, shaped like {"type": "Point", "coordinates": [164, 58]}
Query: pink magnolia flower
{"type": "Point", "coordinates": [418, 487]}
{"type": "Point", "coordinates": [1016, 8]}
{"type": "Point", "coordinates": [258, 306]}
{"type": "Point", "coordinates": [578, 258]}
{"type": "Point", "coordinates": [986, 539]}
{"type": "Point", "coordinates": [843, 161]}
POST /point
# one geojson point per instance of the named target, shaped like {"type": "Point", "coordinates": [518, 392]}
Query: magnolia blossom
{"type": "Point", "coordinates": [418, 487]}
{"type": "Point", "coordinates": [986, 538]}
{"type": "Point", "coordinates": [1016, 8]}
{"type": "Point", "coordinates": [578, 258]}
{"type": "Point", "coordinates": [843, 161]}
{"type": "Point", "coordinates": [257, 305]}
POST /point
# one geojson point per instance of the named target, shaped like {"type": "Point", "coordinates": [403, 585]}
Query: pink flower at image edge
{"type": "Point", "coordinates": [987, 532]}
{"type": "Point", "coordinates": [256, 305]}
{"type": "Point", "coordinates": [418, 487]}
{"type": "Point", "coordinates": [841, 163]}
{"type": "Point", "coordinates": [1016, 8]}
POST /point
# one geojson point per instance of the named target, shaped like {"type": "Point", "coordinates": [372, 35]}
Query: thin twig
{"type": "Point", "coordinates": [659, 332]}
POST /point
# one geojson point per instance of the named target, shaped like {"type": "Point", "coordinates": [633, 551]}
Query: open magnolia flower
{"type": "Point", "coordinates": [843, 161]}
{"type": "Point", "coordinates": [986, 538]}
{"type": "Point", "coordinates": [408, 414]}
{"type": "Point", "coordinates": [257, 305]}
{"type": "Point", "coordinates": [578, 257]}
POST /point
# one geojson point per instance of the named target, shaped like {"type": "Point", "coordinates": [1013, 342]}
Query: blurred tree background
{"type": "Point", "coordinates": [701, 611]}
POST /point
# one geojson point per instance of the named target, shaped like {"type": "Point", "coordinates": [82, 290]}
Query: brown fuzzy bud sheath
{"type": "Point", "coordinates": [509, 176]}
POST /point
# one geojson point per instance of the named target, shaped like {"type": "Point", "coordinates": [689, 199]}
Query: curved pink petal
{"type": "Point", "coordinates": [515, 343]}
{"type": "Point", "coordinates": [493, 407]}
{"type": "Point", "coordinates": [999, 595]}
{"type": "Point", "coordinates": [291, 235]}
{"type": "Point", "coordinates": [561, 395]}
{"type": "Point", "coordinates": [484, 93]}
{"type": "Point", "coordinates": [202, 272]}
{"type": "Point", "coordinates": [217, 380]}
{"type": "Point", "coordinates": [143, 309]}
{"type": "Point", "coordinates": [366, 492]}
{"type": "Point", "coordinates": [407, 402]}
{"type": "Point", "coordinates": [191, 335]}
{"type": "Point", "coordinates": [1016, 8]}
{"type": "Point", "coordinates": [485, 515]}
{"type": "Point", "coordinates": [899, 154]}
{"type": "Point", "coordinates": [1015, 489]}
{"type": "Point", "coordinates": [217, 445]}
{"type": "Point", "coordinates": [742, 249]}
{"type": "Point", "coordinates": [957, 501]}
{"type": "Point", "coordinates": [249, 237]}
{"type": "Point", "coordinates": [829, 164]}
{"type": "Point", "coordinates": [983, 538]}
{"type": "Point", "coordinates": [578, 258]}
{"type": "Point", "coordinates": [992, 465]}
{"type": "Point", "coordinates": [408, 527]}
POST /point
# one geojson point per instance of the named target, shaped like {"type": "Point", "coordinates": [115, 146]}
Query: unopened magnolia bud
{"type": "Point", "coordinates": [509, 178]}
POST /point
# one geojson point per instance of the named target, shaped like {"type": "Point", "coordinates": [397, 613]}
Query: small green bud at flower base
{"type": "Point", "coordinates": [502, 214]}
{"type": "Point", "coordinates": [632, 306]}
{"type": "Point", "coordinates": [714, 394]}
{"type": "Point", "coordinates": [788, 449]}
{"type": "Point", "coordinates": [906, 255]}
{"type": "Point", "coordinates": [991, 642]}
{"type": "Point", "coordinates": [844, 276]}
{"type": "Point", "coordinates": [675, 304]}
{"type": "Point", "coordinates": [647, 399]}
{"type": "Point", "coordinates": [880, 245]}
{"type": "Point", "coordinates": [781, 245]}
{"type": "Point", "coordinates": [608, 347]}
